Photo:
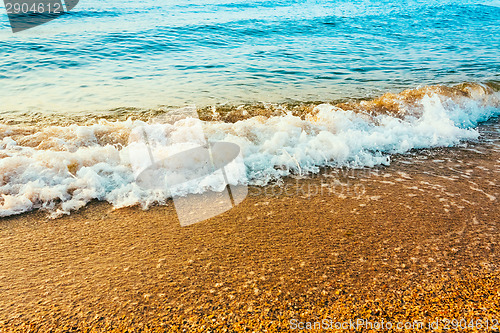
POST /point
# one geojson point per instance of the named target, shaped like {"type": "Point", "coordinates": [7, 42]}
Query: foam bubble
{"type": "Point", "coordinates": [62, 168]}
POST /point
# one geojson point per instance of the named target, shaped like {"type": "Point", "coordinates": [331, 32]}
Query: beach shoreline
{"type": "Point", "coordinates": [416, 241]}
{"type": "Point", "coordinates": [250, 166]}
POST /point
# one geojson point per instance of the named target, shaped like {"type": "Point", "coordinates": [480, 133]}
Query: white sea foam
{"type": "Point", "coordinates": [62, 168]}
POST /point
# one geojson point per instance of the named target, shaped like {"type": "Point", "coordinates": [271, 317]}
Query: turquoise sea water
{"type": "Point", "coordinates": [116, 59]}
{"type": "Point", "coordinates": [110, 54]}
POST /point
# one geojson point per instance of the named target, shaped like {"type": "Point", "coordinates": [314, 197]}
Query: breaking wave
{"type": "Point", "coordinates": [59, 164]}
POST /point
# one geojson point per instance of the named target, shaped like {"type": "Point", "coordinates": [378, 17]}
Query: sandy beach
{"type": "Point", "coordinates": [415, 241]}
{"type": "Point", "coordinates": [249, 166]}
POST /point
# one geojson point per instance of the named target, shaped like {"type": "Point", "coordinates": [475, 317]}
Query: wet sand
{"type": "Point", "coordinates": [417, 240]}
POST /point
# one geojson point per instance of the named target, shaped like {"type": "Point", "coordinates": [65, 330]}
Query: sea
{"type": "Point", "coordinates": [297, 85]}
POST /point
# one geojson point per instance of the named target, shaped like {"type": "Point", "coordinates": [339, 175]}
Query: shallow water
{"type": "Point", "coordinates": [266, 76]}
{"type": "Point", "coordinates": [62, 167]}
{"type": "Point", "coordinates": [113, 54]}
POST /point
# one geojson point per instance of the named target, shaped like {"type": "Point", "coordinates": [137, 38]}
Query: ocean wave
{"type": "Point", "coordinates": [62, 166]}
